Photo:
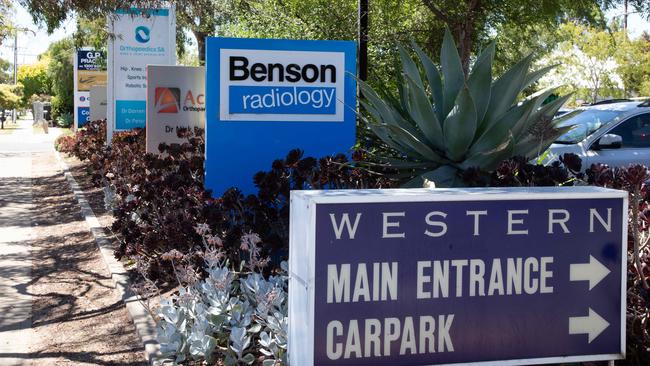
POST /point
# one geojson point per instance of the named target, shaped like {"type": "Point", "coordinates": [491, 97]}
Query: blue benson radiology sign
{"type": "Point", "coordinates": [265, 97]}
{"type": "Point", "coordinates": [457, 276]}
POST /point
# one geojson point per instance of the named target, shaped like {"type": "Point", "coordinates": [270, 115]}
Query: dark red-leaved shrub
{"type": "Point", "coordinates": [158, 200]}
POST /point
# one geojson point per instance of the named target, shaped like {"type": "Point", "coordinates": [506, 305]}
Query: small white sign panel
{"type": "Point", "coordinates": [98, 102]}
{"type": "Point", "coordinates": [175, 99]}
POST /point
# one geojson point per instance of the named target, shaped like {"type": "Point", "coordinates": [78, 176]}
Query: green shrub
{"type": "Point", "coordinates": [65, 120]}
{"type": "Point", "coordinates": [61, 105]}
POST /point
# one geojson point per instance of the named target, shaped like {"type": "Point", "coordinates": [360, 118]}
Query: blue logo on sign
{"type": "Point", "coordinates": [142, 34]}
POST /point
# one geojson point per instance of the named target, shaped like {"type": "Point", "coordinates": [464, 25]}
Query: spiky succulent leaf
{"type": "Point", "coordinates": [452, 72]}
{"type": "Point", "coordinates": [532, 77]}
{"type": "Point", "coordinates": [488, 160]}
{"type": "Point", "coordinates": [392, 119]}
{"type": "Point", "coordinates": [424, 116]}
{"type": "Point", "coordinates": [384, 134]}
{"type": "Point", "coordinates": [533, 102]}
{"type": "Point", "coordinates": [526, 109]}
{"type": "Point", "coordinates": [550, 109]}
{"type": "Point", "coordinates": [533, 146]}
{"type": "Point", "coordinates": [399, 164]}
{"type": "Point", "coordinates": [405, 139]}
{"type": "Point", "coordinates": [460, 125]}
{"type": "Point", "coordinates": [434, 80]}
{"type": "Point", "coordinates": [505, 91]}
{"type": "Point", "coordinates": [499, 131]}
{"type": "Point", "coordinates": [480, 80]}
{"type": "Point", "coordinates": [402, 93]}
{"type": "Point", "coordinates": [536, 133]}
{"type": "Point", "coordinates": [394, 102]}
{"type": "Point", "coordinates": [382, 111]}
{"type": "Point", "coordinates": [409, 68]}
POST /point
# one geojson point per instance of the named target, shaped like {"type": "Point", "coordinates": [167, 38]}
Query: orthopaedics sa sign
{"type": "Point", "coordinates": [142, 37]}
{"type": "Point", "coordinates": [266, 97]}
{"type": "Point", "coordinates": [175, 99]}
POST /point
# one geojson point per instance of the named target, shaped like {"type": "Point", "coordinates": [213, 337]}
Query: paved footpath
{"type": "Point", "coordinates": [16, 151]}
{"type": "Point", "coordinates": [57, 302]}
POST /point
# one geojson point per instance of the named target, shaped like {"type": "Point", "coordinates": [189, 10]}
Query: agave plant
{"type": "Point", "coordinates": [441, 123]}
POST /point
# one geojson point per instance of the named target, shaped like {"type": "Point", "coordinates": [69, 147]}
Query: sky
{"type": "Point", "coordinates": [30, 46]}
{"type": "Point", "coordinates": [635, 23]}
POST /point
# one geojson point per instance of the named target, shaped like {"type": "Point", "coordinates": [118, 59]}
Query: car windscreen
{"type": "Point", "coordinates": [585, 122]}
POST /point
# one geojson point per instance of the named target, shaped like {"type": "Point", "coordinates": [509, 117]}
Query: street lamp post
{"type": "Point", "coordinates": [16, 30]}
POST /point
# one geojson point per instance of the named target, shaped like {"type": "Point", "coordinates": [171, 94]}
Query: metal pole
{"type": "Point", "coordinates": [13, 114]}
{"type": "Point", "coordinates": [625, 19]}
{"type": "Point", "coordinates": [363, 40]}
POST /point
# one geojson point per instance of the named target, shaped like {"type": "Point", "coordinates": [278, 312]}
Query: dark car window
{"type": "Point", "coordinates": [634, 131]}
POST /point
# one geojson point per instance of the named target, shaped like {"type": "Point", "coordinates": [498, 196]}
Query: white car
{"type": "Point", "coordinates": [616, 134]}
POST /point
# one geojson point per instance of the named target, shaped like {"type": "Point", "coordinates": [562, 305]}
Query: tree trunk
{"type": "Point", "coordinates": [465, 43]}
{"type": "Point", "coordinates": [594, 96]}
{"type": "Point", "coordinates": [463, 27]}
{"type": "Point", "coordinates": [200, 42]}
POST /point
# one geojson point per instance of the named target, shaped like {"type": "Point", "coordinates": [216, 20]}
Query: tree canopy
{"type": "Point", "coordinates": [6, 25]}
{"type": "Point", "coordinates": [9, 96]}
{"type": "Point", "coordinates": [633, 58]}
{"type": "Point", "coordinates": [473, 22]}
{"type": "Point", "coordinates": [519, 27]}
{"type": "Point", "coordinates": [60, 72]}
{"type": "Point", "coordinates": [6, 75]}
{"type": "Point", "coordinates": [34, 79]}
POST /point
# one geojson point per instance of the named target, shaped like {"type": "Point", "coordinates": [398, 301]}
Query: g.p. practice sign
{"type": "Point", "coordinates": [440, 277]}
{"type": "Point", "coordinates": [87, 73]}
{"type": "Point", "coordinates": [265, 97]}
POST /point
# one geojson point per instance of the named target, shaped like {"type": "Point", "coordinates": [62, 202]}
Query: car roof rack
{"type": "Point", "coordinates": [610, 101]}
{"type": "Point", "coordinates": [645, 103]}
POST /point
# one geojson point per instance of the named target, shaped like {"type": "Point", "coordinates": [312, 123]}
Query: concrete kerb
{"type": "Point", "coordinates": [144, 324]}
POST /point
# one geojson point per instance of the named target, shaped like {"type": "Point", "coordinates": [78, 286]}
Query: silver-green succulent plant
{"type": "Point", "coordinates": [441, 122]}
